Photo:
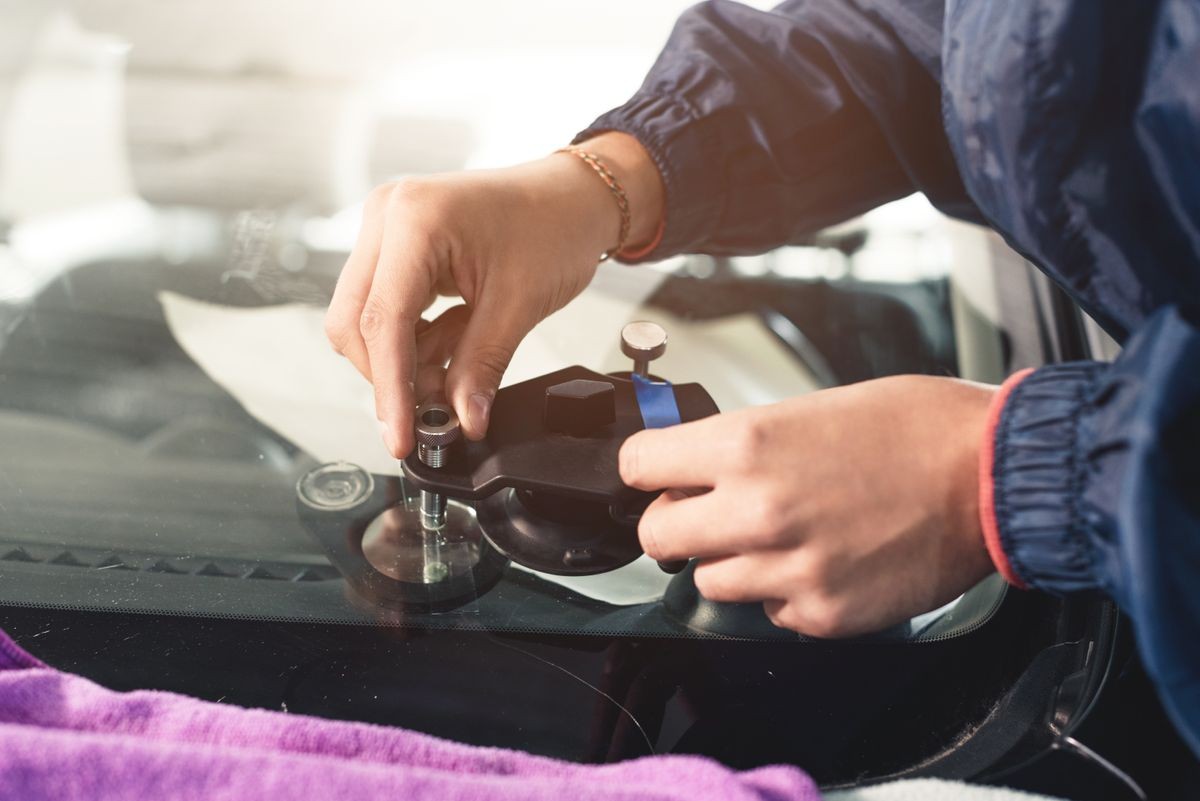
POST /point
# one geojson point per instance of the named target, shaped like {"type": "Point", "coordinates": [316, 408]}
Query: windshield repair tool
{"type": "Point", "coordinates": [545, 482]}
{"type": "Point", "coordinates": [542, 489]}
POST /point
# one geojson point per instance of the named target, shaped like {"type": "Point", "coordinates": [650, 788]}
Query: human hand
{"type": "Point", "coordinates": [844, 511]}
{"type": "Point", "coordinates": [516, 244]}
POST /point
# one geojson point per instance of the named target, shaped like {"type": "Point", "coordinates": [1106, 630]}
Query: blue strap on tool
{"type": "Point", "coordinates": [656, 401]}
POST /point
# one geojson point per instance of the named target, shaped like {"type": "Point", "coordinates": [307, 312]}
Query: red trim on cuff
{"type": "Point", "coordinates": [987, 484]}
{"type": "Point", "coordinates": [633, 255]}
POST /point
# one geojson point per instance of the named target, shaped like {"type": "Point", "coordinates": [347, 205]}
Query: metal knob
{"type": "Point", "coordinates": [643, 341]}
{"type": "Point", "coordinates": [437, 429]}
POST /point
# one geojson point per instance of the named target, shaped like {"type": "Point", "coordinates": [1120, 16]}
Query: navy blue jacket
{"type": "Point", "coordinates": [1072, 127]}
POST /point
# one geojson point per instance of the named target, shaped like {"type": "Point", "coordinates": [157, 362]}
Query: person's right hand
{"type": "Point", "coordinates": [516, 244]}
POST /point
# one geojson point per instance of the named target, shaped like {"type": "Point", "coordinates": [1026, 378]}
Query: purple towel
{"type": "Point", "coordinates": [63, 737]}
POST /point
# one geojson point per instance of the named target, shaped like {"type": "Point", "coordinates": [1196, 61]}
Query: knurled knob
{"type": "Point", "coordinates": [436, 429]}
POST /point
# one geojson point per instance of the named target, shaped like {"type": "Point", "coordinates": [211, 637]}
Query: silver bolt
{"type": "Point", "coordinates": [436, 430]}
{"type": "Point", "coordinates": [643, 341]}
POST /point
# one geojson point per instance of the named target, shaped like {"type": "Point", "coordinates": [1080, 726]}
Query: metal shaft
{"type": "Point", "coordinates": [436, 429]}
{"type": "Point", "coordinates": [433, 511]}
{"type": "Point", "coordinates": [433, 520]}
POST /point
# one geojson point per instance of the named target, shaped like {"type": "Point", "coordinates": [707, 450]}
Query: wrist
{"type": "Point", "coordinates": [572, 204]}
{"type": "Point", "coordinates": [632, 166]}
{"type": "Point", "coordinates": [963, 426]}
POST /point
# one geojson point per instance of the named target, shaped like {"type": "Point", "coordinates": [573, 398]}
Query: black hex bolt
{"type": "Point", "coordinates": [580, 407]}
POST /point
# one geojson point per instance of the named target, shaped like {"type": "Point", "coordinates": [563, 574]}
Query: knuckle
{"type": "Point", "coordinates": [780, 615]}
{"type": "Point", "coordinates": [414, 197]}
{"type": "Point", "coordinates": [763, 526]}
{"type": "Point", "coordinates": [493, 359]}
{"type": "Point", "coordinates": [338, 332]}
{"type": "Point", "coordinates": [405, 190]}
{"type": "Point", "coordinates": [412, 206]}
{"type": "Point", "coordinates": [757, 529]}
{"type": "Point", "coordinates": [769, 521]}
{"type": "Point", "coordinates": [712, 584]}
{"type": "Point", "coordinates": [374, 320]}
{"type": "Point", "coordinates": [379, 196]}
{"type": "Point", "coordinates": [749, 439]}
{"type": "Point", "coordinates": [807, 573]}
{"type": "Point", "coordinates": [648, 537]}
{"type": "Point", "coordinates": [825, 617]}
{"type": "Point", "coordinates": [821, 617]}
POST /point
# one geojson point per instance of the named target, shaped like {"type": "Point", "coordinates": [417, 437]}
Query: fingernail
{"type": "Point", "coordinates": [479, 407]}
{"type": "Point", "coordinates": [389, 438]}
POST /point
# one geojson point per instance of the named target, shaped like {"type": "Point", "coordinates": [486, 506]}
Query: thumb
{"type": "Point", "coordinates": [487, 346]}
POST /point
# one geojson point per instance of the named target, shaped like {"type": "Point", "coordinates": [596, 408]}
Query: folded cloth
{"type": "Point", "coordinates": [63, 737]}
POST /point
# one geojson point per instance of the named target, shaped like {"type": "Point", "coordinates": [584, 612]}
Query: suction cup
{"type": "Point", "coordinates": [431, 566]}
{"type": "Point", "coordinates": [556, 534]}
{"type": "Point", "coordinates": [684, 604]}
{"type": "Point", "coordinates": [375, 537]}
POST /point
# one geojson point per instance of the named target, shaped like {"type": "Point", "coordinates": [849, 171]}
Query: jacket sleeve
{"type": "Point", "coordinates": [768, 125]}
{"type": "Point", "coordinates": [1121, 512]}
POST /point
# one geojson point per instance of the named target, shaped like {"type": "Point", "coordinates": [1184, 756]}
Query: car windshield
{"type": "Point", "coordinates": [178, 192]}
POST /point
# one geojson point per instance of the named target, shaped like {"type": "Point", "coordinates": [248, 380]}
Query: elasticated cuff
{"type": "Point", "coordinates": [1037, 475]}
{"type": "Point", "coordinates": [685, 150]}
{"type": "Point", "coordinates": [987, 495]}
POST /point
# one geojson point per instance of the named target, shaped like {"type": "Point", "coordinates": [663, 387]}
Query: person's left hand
{"type": "Point", "coordinates": [844, 511]}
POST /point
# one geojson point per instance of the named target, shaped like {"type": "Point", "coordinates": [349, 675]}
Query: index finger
{"type": "Point", "coordinates": [354, 284]}
{"type": "Point", "coordinates": [398, 295]}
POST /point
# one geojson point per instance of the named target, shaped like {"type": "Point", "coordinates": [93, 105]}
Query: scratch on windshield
{"type": "Point", "coordinates": [585, 683]}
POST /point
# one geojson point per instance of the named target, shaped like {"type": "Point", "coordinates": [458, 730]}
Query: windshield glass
{"type": "Point", "coordinates": [175, 205]}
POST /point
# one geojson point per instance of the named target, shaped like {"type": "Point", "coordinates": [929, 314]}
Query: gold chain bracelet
{"type": "Point", "coordinates": [614, 186]}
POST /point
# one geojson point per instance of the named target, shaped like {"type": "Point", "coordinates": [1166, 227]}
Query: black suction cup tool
{"type": "Point", "coordinates": [555, 534]}
{"type": "Point", "coordinates": [546, 480]}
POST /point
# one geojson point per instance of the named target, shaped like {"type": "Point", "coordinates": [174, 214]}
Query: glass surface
{"type": "Point", "coordinates": [176, 199]}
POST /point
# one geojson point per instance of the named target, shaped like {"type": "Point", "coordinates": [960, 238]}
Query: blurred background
{"type": "Point", "coordinates": [244, 135]}
{"type": "Point", "coordinates": [120, 119]}
{"type": "Point", "coordinates": [299, 105]}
